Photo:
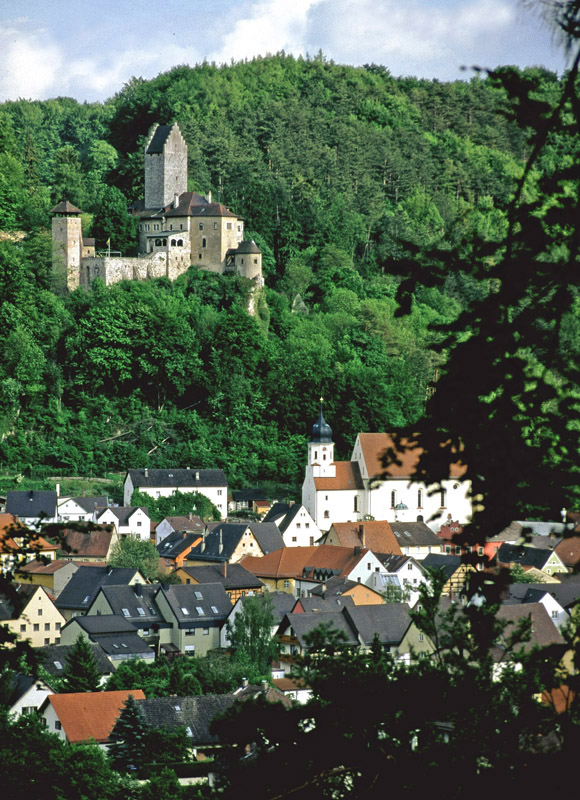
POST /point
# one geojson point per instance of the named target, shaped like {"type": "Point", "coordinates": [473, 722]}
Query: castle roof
{"type": "Point", "coordinates": [65, 208]}
{"type": "Point", "coordinates": [158, 139]}
{"type": "Point", "coordinates": [245, 247]}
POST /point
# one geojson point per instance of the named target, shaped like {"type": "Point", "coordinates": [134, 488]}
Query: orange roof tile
{"type": "Point", "coordinates": [377, 535]}
{"type": "Point", "coordinates": [44, 569]}
{"type": "Point", "coordinates": [374, 445]}
{"type": "Point", "coordinates": [90, 715]}
{"type": "Point", "coordinates": [290, 562]}
{"type": "Point", "coordinates": [347, 477]}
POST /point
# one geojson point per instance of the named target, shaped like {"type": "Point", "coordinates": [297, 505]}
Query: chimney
{"type": "Point", "coordinates": [362, 534]}
{"type": "Point", "coordinates": [244, 683]}
{"type": "Point", "coordinates": [202, 548]}
{"type": "Point", "coordinates": [137, 589]}
{"type": "Point", "coordinates": [197, 476]}
{"type": "Point", "coordinates": [265, 686]}
{"type": "Point", "coordinates": [208, 196]}
{"type": "Point", "coordinates": [225, 569]}
{"type": "Point", "coordinates": [57, 488]}
{"type": "Point", "coordinates": [221, 544]}
{"type": "Point", "coordinates": [146, 472]}
{"type": "Point", "coordinates": [290, 503]}
{"type": "Point", "coordinates": [175, 200]}
{"type": "Point", "coordinates": [190, 515]}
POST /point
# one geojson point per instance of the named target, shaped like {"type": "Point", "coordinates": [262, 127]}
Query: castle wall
{"type": "Point", "coordinates": [221, 234]}
{"type": "Point", "coordinates": [113, 269]}
{"type": "Point", "coordinates": [67, 242]}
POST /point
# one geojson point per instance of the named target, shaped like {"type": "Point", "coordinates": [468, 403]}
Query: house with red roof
{"type": "Point", "coordinates": [85, 716]}
{"type": "Point", "coordinates": [364, 489]}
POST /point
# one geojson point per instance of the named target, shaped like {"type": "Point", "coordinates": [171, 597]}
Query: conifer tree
{"type": "Point", "coordinates": [128, 739]}
{"type": "Point", "coordinates": [81, 672]}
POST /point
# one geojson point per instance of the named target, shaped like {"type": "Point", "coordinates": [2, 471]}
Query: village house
{"type": "Point", "coordinates": [33, 508]}
{"type": "Point", "coordinates": [90, 547]}
{"type": "Point", "coordinates": [539, 593]}
{"type": "Point", "coordinates": [81, 717]}
{"type": "Point", "coordinates": [17, 543]}
{"type": "Point", "coordinates": [359, 489]}
{"type": "Point", "coordinates": [169, 525]}
{"type": "Point", "coordinates": [456, 572]}
{"type": "Point", "coordinates": [114, 633]}
{"type": "Point", "coordinates": [175, 548]}
{"type": "Point", "coordinates": [281, 604]}
{"type": "Point", "coordinates": [126, 520]}
{"type": "Point", "coordinates": [376, 535]}
{"type": "Point", "coordinates": [53, 659]}
{"type": "Point", "coordinates": [232, 541]}
{"type": "Point", "coordinates": [196, 613]}
{"type": "Point", "coordinates": [77, 596]}
{"type": "Point", "coordinates": [294, 522]}
{"type": "Point", "coordinates": [137, 604]}
{"type": "Point", "coordinates": [300, 569]}
{"type": "Point", "coordinates": [29, 613]}
{"type": "Point", "coordinates": [54, 576]}
{"type": "Point", "coordinates": [337, 587]}
{"type": "Point", "coordinates": [526, 556]}
{"type": "Point", "coordinates": [80, 509]}
{"type": "Point", "coordinates": [235, 578]}
{"type": "Point", "coordinates": [157, 483]}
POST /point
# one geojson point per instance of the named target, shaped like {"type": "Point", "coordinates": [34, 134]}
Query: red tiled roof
{"type": "Point", "coordinates": [37, 567]}
{"type": "Point", "coordinates": [377, 535]}
{"type": "Point", "coordinates": [290, 562]}
{"type": "Point", "coordinates": [569, 550]}
{"type": "Point", "coordinates": [347, 477]}
{"type": "Point", "coordinates": [374, 445]}
{"type": "Point", "coordinates": [90, 715]}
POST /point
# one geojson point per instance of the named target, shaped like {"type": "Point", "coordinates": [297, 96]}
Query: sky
{"type": "Point", "coordinates": [88, 49]}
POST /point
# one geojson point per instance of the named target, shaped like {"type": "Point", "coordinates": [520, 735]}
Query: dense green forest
{"type": "Point", "coordinates": [345, 176]}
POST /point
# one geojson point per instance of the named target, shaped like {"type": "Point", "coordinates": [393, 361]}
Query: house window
{"type": "Point", "coordinates": [40, 612]}
{"type": "Point", "coordinates": [420, 498]}
{"type": "Point", "coordinates": [47, 626]}
{"type": "Point", "coordinates": [215, 226]}
{"type": "Point", "coordinates": [190, 632]}
{"type": "Point", "coordinates": [57, 725]}
{"type": "Point", "coordinates": [36, 627]}
{"type": "Point", "coordinates": [326, 515]}
{"type": "Point", "coordinates": [23, 629]}
{"type": "Point", "coordinates": [47, 640]}
{"type": "Point", "coordinates": [409, 566]}
{"type": "Point", "coordinates": [219, 491]}
{"type": "Point", "coordinates": [286, 584]}
{"type": "Point", "coordinates": [421, 637]}
{"type": "Point", "coordinates": [307, 525]}
{"type": "Point", "coordinates": [311, 541]}
{"type": "Point", "coordinates": [294, 539]}
{"type": "Point", "coordinates": [206, 631]}
{"type": "Point", "coordinates": [393, 499]}
{"type": "Point", "coordinates": [458, 551]}
{"type": "Point", "coordinates": [480, 551]}
{"type": "Point", "coordinates": [369, 566]}
{"type": "Point", "coordinates": [447, 549]}
{"type": "Point", "coordinates": [298, 524]}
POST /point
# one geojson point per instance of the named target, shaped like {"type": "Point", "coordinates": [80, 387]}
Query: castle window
{"type": "Point", "coordinates": [165, 243]}
{"type": "Point", "coordinates": [242, 261]}
{"type": "Point", "coordinates": [157, 242]}
{"type": "Point", "coordinates": [239, 228]}
{"type": "Point", "coordinates": [201, 226]}
{"type": "Point", "coordinates": [173, 243]}
{"type": "Point", "coordinates": [229, 226]}
{"type": "Point", "coordinates": [180, 242]}
{"type": "Point", "coordinates": [215, 226]}
{"type": "Point", "coordinates": [255, 261]}
{"type": "Point", "coordinates": [171, 227]}
{"type": "Point", "coordinates": [200, 256]}
{"type": "Point", "coordinates": [204, 242]}
{"type": "Point", "coordinates": [180, 226]}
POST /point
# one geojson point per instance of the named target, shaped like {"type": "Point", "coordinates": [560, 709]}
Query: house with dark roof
{"type": "Point", "coordinates": [281, 603]}
{"type": "Point", "coordinates": [168, 525]}
{"type": "Point", "coordinates": [244, 499]}
{"type": "Point", "coordinates": [175, 548]}
{"type": "Point", "coordinates": [127, 521]}
{"type": "Point", "coordinates": [390, 623]}
{"type": "Point", "coordinates": [526, 556]}
{"type": "Point", "coordinates": [363, 488]}
{"type": "Point", "coordinates": [33, 508]}
{"type": "Point", "coordinates": [137, 604]}
{"type": "Point", "coordinates": [53, 659]}
{"type": "Point", "coordinates": [25, 694]}
{"type": "Point", "coordinates": [232, 541]}
{"type": "Point", "coordinates": [196, 613]}
{"type": "Point", "coordinates": [456, 571]}
{"type": "Point", "coordinates": [295, 523]}
{"type": "Point", "coordinates": [85, 716]}
{"type": "Point", "coordinates": [116, 635]}
{"type": "Point", "coordinates": [77, 596]}
{"type": "Point", "coordinates": [211, 483]}
{"type": "Point", "coordinates": [235, 578]}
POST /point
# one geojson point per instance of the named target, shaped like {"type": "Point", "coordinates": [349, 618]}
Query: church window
{"type": "Point", "coordinates": [324, 456]}
{"type": "Point", "coordinates": [443, 493]}
{"type": "Point", "coordinates": [420, 498]}
{"type": "Point", "coordinates": [393, 499]}
{"type": "Point", "coordinates": [355, 503]}
{"type": "Point", "coordinates": [204, 242]}
{"type": "Point", "coordinates": [326, 515]}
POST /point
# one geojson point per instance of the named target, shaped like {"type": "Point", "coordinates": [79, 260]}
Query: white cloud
{"type": "Point", "coordinates": [270, 26]}
{"type": "Point", "coordinates": [30, 63]}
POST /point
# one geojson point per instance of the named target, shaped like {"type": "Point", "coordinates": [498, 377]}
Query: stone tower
{"type": "Point", "coordinates": [67, 245]}
{"type": "Point", "coordinates": [165, 166]}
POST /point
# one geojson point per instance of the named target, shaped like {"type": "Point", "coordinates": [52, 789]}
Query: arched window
{"type": "Point", "coordinates": [173, 243]}
{"type": "Point", "coordinates": [204, 242]}
{"type": "Point", "coordinates": [157, 242]}
{"type": "Point", "coordinates": [419, 498]}
{"type": "Point", "coordinates": [393, 499]}
{"type": "Point", "coordinates": [180, 242]}
{"type": "Point", "coordinates": [443, 496]}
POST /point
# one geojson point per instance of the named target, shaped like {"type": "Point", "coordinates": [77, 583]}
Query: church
{"type": "Point", "coordinates": [177, 229]}
{"type": "Point", "coordinates": [348, 491]}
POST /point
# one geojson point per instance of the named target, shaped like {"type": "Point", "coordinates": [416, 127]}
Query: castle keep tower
{"type": "Point", "coordinates": [165, 166]}
{"type": "Point", "coordinates": [67, 245]}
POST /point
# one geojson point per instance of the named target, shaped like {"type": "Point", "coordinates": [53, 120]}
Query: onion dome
{"type": "Point", "coordinates": [321, 431]}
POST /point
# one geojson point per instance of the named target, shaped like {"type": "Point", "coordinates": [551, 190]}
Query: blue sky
{"type": "Point", "coordinates": [88, 49]}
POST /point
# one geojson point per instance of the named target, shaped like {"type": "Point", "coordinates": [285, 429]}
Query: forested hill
{"type": "Point", "coordinates": [339, 173]}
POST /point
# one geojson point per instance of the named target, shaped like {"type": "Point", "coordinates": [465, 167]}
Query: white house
{"type": "Point", "coordinates": [211, 483]}
{"type": "Point", "coordinates": [295, 523]}
{"type": "Point", "coordinates": [348, 491]}
{"type": "Point", "coordinates": [79, 509]}
{"type": "Point", "coordinates": [33, 508]}
{"type": "Point", "coordinates": [128, 521]}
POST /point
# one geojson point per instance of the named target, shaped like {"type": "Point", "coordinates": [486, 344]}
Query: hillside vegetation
{"type": "Point", "coordinates": [344, 177]}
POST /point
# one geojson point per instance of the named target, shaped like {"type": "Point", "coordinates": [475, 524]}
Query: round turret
{"type": "Point", "coordinates": [321, 431]}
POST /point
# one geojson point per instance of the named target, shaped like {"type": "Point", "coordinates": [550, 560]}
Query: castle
{"type": "Point", "coordinates": [177, 229]}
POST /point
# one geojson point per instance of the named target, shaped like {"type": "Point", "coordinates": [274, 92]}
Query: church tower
{"type": "Point", "coordinates": [67, 246]}
{"type": "Point", "coordinates": [321, 449]}
{"type": "Point", "coordinates": [165, 166]}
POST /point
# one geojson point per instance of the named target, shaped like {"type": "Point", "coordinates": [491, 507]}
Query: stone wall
{"type": "Point", "coordinates": [67, 242]}
{"type": "Point", "coordinates": [166, 172]}
{"type": "Point", "coordinates": [113, 269]}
